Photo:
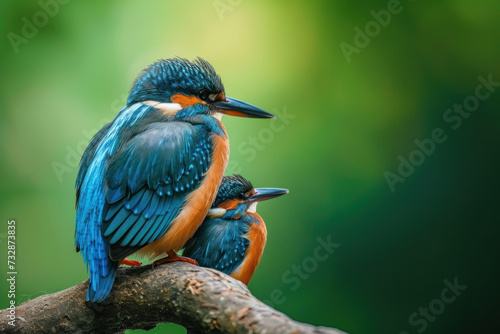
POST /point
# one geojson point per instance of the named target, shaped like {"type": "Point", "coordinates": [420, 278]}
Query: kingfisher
{"type": "Point", "coordinates": [232, 237]}
{"type": "Point", "coordinates": [148, 178]}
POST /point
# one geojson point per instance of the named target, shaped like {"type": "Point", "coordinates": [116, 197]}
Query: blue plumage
{"type": "Point", "coordinates": [149, 168]}
{"type": "Point", "coordinates": [90, 203]}
{"type": "Point", "coordinates": [143, 184]}
{"type": "Point", "coordinates": [220, 243]}
{"type": "Point", "coordinates": [232, 187]}
{"type": "Point", "coordinates": [232, 232]}
{"type": "Point", "coordinates": [164, 78]}
{"type": "Point", "coordinates": [138, 170]}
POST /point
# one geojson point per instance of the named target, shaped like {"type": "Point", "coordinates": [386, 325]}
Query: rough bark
{"type": "Point", "coordinates": [200, 299]}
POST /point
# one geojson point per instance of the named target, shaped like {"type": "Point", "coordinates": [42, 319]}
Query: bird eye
{"type": "Point", "coordinates": [242, 196]}
{"type": "Point", "coordinates": [203, 94]}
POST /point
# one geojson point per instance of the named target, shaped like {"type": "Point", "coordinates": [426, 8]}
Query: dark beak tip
{"type": "Point", "coordinates": [239, 108]}
{"type": "Point", "coordinates": [267, 116]}
{"type": "Point", "coordinates": [264, 194]}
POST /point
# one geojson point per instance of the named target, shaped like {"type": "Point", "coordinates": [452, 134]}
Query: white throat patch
{"type": "Point", "coordinates": [253, 207]}
{"type": "Point", "coordinates": [218, 115]}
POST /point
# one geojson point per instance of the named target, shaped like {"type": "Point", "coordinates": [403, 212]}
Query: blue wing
{"type": "Point", "coordinates": [137, 166]}
{"type": "Point", "coordinates": [88, 157]}
{"type": "Point", "coordinates": [147, 181]}
{"type": "Point", "coordinates": [91, 198]}
{"type": "Point", "coordinates": [219, 244]}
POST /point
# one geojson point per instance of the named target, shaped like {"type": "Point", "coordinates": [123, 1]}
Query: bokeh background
{"type": "Point", "coordinates": [343, 122]}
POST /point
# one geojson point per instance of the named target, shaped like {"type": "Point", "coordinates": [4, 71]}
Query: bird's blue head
{"type": "Point", "coordinates": [237, 197]}
{"type": "Point", "coordinates": [194, 87]}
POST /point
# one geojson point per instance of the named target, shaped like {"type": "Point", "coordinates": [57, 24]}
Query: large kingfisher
{"type": "Point", "coordinates": [232, 237]}
{"type": "Point", "coordinates": [148, 178]}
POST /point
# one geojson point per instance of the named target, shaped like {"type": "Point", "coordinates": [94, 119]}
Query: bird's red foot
{"type": "Point", "coordinates": [173, 257]}
{"type": "Point", "coordinates": [131, 263]}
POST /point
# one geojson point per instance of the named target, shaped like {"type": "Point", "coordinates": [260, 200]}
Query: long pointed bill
{"type": "Point", "coordinates": [262, 194]}
{"type": "Point", "coordinates": [235, 107]}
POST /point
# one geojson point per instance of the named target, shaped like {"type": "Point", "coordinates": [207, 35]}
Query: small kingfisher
{"type": "Point", "coordinates": [232, 237]}
{"type": "Point", "coordinates": [148, 178]}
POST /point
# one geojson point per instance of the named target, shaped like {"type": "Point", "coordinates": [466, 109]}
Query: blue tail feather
{"type": "Point", "coordinates": [99, 289]}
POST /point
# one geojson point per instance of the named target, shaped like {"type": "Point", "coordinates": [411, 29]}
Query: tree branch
{"type": "Point", "coordinates": [200, 299]}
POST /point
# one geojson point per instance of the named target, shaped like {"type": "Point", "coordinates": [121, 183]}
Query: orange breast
{"type": "Point", "coordinates": [258, 237]}
{"type": "Point", "coordinates": [196, 204]}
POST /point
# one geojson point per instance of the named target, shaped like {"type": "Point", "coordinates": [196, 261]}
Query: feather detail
{"type": "Point", "coordinates": [196, 205]}
{"type": "Point", "coordinates": [91, 190]}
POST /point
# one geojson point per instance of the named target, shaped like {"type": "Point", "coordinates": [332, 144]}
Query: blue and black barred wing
{"type": "Point", "coordinates": [219, 244]}
{"type": "Point", "coordinates": [147, 181]}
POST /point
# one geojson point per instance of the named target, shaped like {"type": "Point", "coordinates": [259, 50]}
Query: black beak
{"type": "Point", "coordinates": [235, 107]}
{"type": "Point", "coordinates": [262, 194]}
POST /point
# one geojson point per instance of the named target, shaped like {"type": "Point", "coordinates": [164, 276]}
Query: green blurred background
{"type": "Point", "coordinates": [347, 124]}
